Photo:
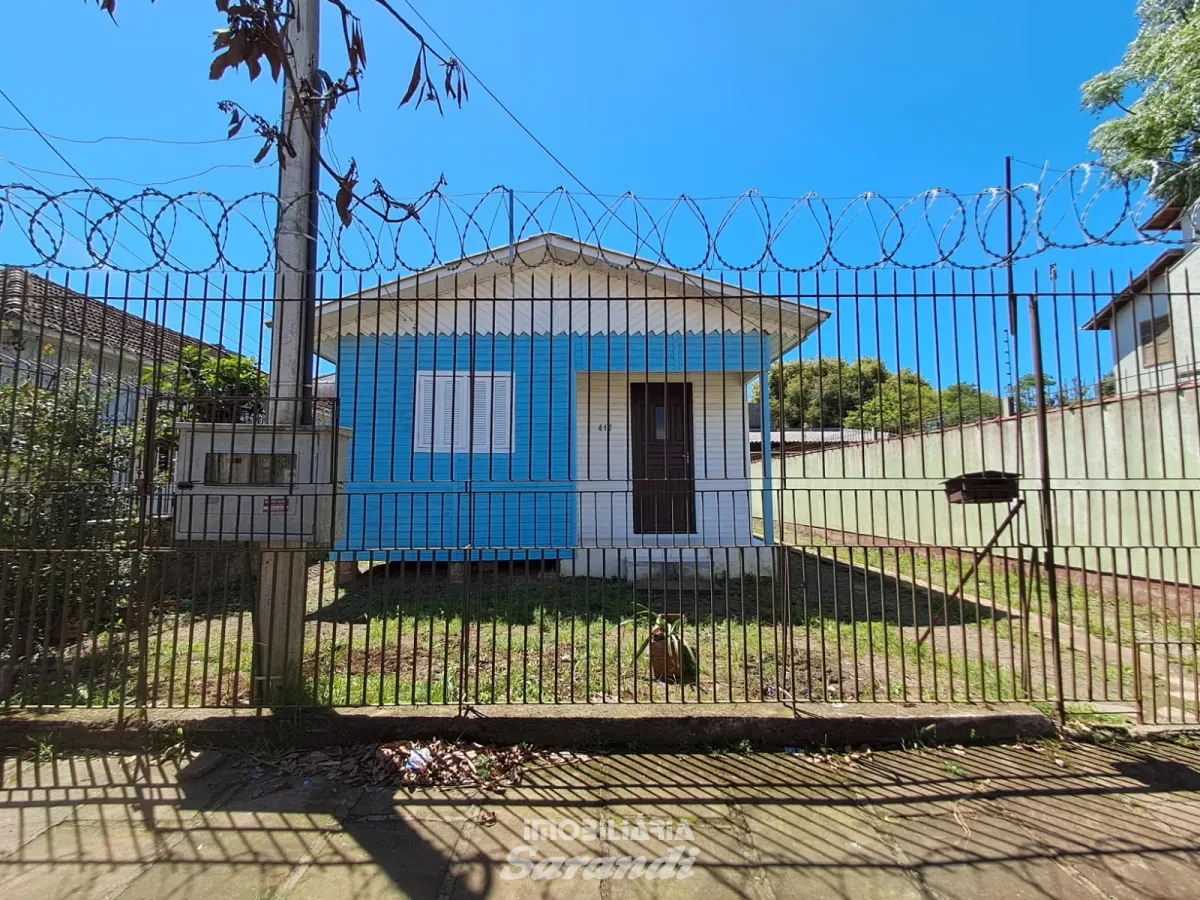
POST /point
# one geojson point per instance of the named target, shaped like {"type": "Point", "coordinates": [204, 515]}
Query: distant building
{"type": "Point", "coordinates": [1154, 324]}
{"type": "Point", "coordinates": [47, 328]}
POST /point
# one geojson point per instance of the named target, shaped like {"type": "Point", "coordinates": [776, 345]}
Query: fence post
{"type": "Point", "coordinates": [1047, 505]}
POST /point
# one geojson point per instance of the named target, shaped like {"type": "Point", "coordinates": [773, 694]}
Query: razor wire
{"type": "Point", "coordinates": [199, 232]}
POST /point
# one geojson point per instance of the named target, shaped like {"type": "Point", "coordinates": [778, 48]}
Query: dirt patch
{"type": "Point", "coordinates": [1174, 598]}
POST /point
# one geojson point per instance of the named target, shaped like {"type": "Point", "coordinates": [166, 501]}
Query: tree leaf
{"type": "Point", "coordinates": [262, 154]}
{"type": "Point", "coordinates": [274, 58]}
{"type": "Point", "coordinates": [361, 44]}
{"type": "Point", "coordinates": [642, 647]}
{"type": "Point", "coordinates": [237, 49]}
{"type": "Point", "coordinates": [222, 5]}
{"type": "Point", "coordinates": [218, 67]}
{"type": "Point", "coordinates": [414, 83]}
{"type": "Point", "coordinates": [235, 124]}
{"type": "Point", "coordinates": [345, 194]}
{"type": "Point", "coordinates": [254, 66]}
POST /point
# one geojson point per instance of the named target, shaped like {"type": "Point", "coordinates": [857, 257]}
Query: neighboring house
{"type": "Point", "coordinates": [1155, 326]}
{"type": "Point", "coordinates": [46, 329]}
{"type": "Point", "coordinates": [553, 400]}
{"type": "Point", "coordinates": [49, 332]}
{"type": "Point", "coordinates": [327, 386]}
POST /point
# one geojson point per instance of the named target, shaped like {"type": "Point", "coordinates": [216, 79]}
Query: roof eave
{"type": "Point", "coordinates": [1102, 320]}
{"type": "Point", "coordinates": [555, 241]}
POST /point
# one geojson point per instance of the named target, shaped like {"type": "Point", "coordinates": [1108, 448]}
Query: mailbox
{"type": "Point", "coordinates": [252, 482]}
{"type": "Point", "coordinates": [983, 487]}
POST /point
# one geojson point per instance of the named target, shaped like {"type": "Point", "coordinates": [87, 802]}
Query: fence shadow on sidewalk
{"type": "Point", "coordinates": [1046, 821]}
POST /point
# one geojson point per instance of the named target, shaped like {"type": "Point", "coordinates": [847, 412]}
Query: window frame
{"type": "Point", "coordinates": [1153, 333]}
{"type": "Point", "coordinates": [449, 393]}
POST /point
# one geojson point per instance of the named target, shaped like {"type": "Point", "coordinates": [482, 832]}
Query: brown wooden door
{"type": "Point", "coordinates": [664, 484]}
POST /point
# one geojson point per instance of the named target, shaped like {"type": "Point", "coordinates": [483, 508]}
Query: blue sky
{"type": "Point", "coordinates": [658, 98]}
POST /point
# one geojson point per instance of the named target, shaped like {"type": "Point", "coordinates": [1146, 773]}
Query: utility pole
{"type": "Point", "coordinates": [282, 587]}
{"type": "Point", "coordinates": [296, 229]}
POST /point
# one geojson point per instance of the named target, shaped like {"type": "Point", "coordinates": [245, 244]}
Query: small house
{"type": "Point", "coordinates": [1154, 327]}
{"type": "Point", "coordinates": [47, 328]}
{"type": "Point", "coordinates": [555, 400]}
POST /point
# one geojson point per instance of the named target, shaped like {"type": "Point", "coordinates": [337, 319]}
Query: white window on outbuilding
{"type": "Point", "coordinates": [455, 410]}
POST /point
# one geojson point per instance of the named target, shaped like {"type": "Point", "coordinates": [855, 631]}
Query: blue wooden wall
{"type": "Point", "coordinates": [523, 501]}
{"type": "Point", "coordinates": [511, 505]}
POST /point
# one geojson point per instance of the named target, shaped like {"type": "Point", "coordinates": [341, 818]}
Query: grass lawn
{"type": "Point", "coordinates": [844, 629]}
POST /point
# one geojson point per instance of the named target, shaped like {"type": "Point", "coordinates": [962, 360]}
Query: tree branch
{"type": "Point", "coordinates": [255, 32]}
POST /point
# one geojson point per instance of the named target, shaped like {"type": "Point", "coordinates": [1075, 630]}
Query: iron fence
{"type": "Point", "coordinates": [565, 474]}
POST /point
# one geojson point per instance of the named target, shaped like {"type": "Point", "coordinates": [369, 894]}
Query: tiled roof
{"type": "Point", "coordinates": [40, 304]}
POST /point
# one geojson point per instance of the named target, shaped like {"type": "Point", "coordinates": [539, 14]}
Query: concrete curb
{"type": "Point", "coordinates": [642, 726]}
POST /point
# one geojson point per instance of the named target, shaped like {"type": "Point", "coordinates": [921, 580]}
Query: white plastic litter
{"type": "Point", "coordinates": [418, 759]}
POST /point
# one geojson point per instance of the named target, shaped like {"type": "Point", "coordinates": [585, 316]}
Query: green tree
{"type": "Point", "coordinates": [1026, 392]}
{"type": "Point", "coordinates": [1075, 391]}
{"type": "Point", "coordinates": [210, 385]}
{"type": "Point", "coordinates": [964, 403]}
{"type": "Point", "coordinates": [1156, 89]}
{"type": "Point", "coordinates": [820, 393]}
{"type": "Point", "coordinates": [905, 403]}
{"type": "Point", "coordinates": [1108, 385]}
{"type": "Point", "coordinates": [65, 488]}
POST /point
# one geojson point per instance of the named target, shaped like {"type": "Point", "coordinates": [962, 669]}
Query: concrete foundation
{"type": "Point", "coordinates": [671, 564]}
{"type": "Point", "coordinates": [661, 726]}
{"type": "Point", "coordinates": [347, 573]}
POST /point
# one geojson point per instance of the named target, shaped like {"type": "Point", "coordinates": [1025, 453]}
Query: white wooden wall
{"type": "Point", "coordinates": [604, 470]}
{"type": "Point", "coordinates": [561, 299]}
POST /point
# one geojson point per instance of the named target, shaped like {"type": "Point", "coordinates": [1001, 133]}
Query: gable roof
{"type": "Point", "coordinates": [40, 304]}
{"type": "Point", "coordinates": [551, 249]}
{"type": "Point", "coordinates": [1168, 217]}
{"type": "Point", "coordinates": [1102, 320]}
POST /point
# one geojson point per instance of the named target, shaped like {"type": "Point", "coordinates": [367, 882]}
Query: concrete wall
{"type": "Point", "coordinates": [1125, 480]}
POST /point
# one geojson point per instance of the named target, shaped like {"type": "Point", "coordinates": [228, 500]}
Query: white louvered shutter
{"type": "Point", "coordinates": [501, 407]}
{"type": "Point", "coordinates": [449, 418]}
{"type": "Point", "coordinates": [462, 413]}
{"type": "Point", "coordinates": [445, 409]}
{"type": "Point", "coordinates": [481, 425]}
{"type": "Point", "coordinates": [424, 412]}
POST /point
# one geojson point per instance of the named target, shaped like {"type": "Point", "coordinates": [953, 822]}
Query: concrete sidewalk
{"type": "Point", "coordinates": [1036, 821]}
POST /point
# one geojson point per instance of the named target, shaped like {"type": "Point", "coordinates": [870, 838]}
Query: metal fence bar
{"type": "Point", "coordinates": [551, 466]}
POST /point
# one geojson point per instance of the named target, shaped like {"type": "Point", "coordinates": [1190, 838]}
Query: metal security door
{"type": "Point", "coordinates": [664, 484]}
